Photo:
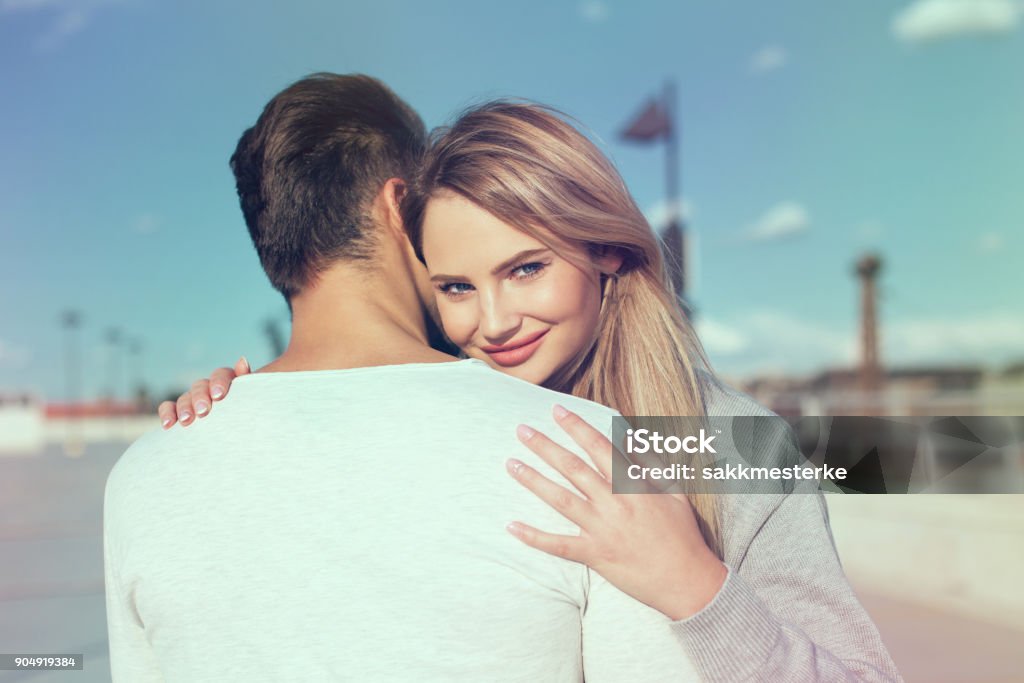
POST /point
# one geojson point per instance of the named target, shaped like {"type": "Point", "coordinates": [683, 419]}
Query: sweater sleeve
{"type": "Point", "coordinates": [786, 611]}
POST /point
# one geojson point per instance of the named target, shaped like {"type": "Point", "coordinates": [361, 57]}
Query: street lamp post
{"type": "Point", "coordinates": [113, 338]}
{"type": "Point", "coordinates": [71, 322]}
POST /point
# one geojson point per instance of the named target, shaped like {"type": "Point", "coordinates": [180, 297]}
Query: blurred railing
{"type": "Point", "coordinates": [962, 554]}
{"type": "Point", "coordinates": [895, 401]}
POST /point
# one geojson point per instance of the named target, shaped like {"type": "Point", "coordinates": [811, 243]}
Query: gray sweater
{"type": "Point", "coordinates": [786, 611]}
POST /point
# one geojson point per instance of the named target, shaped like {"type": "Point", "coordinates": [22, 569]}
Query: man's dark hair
{"type": "Point", "coordinates": [309, 169]}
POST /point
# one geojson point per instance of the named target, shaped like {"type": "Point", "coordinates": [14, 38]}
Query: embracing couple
{"type": "Point", "coordinates": [370, 507]}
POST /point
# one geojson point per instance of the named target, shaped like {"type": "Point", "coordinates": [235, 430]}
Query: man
{"type": "Point", "coordinates": [358, 534]}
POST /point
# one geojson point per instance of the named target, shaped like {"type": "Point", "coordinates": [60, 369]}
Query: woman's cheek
{"type": "Point", "coordinates": [570, 295]}
{"type": "Point", "coordinates": [456, 321]}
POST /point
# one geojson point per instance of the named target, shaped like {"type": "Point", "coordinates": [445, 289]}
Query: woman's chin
{"type": "Point", "coordinates": [527, 372]}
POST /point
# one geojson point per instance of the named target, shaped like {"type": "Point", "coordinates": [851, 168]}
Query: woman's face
{"type": "Point", "coordinates": [503, 296]}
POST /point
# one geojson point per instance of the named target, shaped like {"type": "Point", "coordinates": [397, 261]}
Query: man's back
{"type": "Point", "coordinates": [343, 524]}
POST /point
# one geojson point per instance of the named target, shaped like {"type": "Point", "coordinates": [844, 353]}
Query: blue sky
{"type": "Point", "coordinates": [811, 133]}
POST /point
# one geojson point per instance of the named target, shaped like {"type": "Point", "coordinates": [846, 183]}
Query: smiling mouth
{"type": "Point", "coordinates": [516, 353]}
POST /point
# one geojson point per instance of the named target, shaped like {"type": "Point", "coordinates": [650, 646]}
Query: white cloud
{"type": "Point", "coordinates": [784, 220]}
{"type": "Point", "coordinates": [14, 356]}
{"type": "Point", "coordinates": [982, 338]}
{"type": "Point", "coordinates": [770, 341]}
{"type": "Point", "coordinates": [193, 352]}
{"type": "Point", "coordinates": [769, 58]}
{"type": "Point", "coordinates": [869, 230]}
{"type": "Point", "coordinates": [803, 342]}
{"type": "Point", "coordinates": [719, 338]}
{"type": "Point", "coordinates": [661, 213]}
{"type": "Point", "coordinates": [10, 6]}
{"type": "Point", "coordinates": [931, 20]}
{"type": "Point", "coordinates": [146, 224]}
{"type": "Point", "coordinates": [991, 241]}
{"type": "Point", "coordinates": [70, 17]}
{"type": "Point", "coordinates": [594, 11]}
{"type": "Point", "coordinates": [68, 23]}
{"type": "Point", "coordinates": [184, 379]}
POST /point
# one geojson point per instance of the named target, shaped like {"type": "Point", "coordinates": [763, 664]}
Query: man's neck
{"type": "Point", "coordinates": [350, 319]}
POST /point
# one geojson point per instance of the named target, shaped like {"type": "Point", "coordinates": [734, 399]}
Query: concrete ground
{"type": "Point", "coordinates": [933, 647]}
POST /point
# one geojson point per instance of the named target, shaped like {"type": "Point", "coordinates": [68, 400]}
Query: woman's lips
{"type": "Point", "coordinates": [515, 353]}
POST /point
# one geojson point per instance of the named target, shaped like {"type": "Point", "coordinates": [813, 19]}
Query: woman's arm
{"type": "Point", "coordinates": [781, 608]}
{"type": "Point", "coordinates": [786, 611]}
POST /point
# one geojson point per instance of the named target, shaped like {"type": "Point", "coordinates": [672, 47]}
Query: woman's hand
{"type": "Point", "coordinates": [198, 401]}
{"type": "Point", "coordinates": [647, 545]}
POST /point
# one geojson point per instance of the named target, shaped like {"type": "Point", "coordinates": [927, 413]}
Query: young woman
{"type": "Point", "coordinates": [545, 269]}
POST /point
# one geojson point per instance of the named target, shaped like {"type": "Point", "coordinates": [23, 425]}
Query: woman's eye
{"type": "Point", "coordinates": [455, 289]}
{"type": "Point", "coordinates": [528, 270]}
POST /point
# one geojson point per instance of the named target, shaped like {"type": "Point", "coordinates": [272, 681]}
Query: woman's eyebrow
{"type": "Point", "coordinates": [441, 276]}
{"type": "Point", "coordinates": [525, 254]}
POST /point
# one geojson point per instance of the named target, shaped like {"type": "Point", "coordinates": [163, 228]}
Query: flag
{"type": "Point", "coordinates": [652, 123]}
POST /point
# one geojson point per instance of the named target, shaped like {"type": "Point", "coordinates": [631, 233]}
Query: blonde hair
{"type": "Point", "coordinates": [525, 164]}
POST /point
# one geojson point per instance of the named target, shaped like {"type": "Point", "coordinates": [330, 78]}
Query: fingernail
{"type": "Point", "coordinates": [245, 360]}
{"type": "Point", "coordinates": [559, 412]}
{"type": "Point", "coordinates": [524, 432]}
{"type": "Point", "coordinates": [185, 417]}
{"type": "Point", "coordinates": [216, 392]}
{"type": "Point", "coordinates": [166, 423]}
{"type": "Point", "coordinates": [514, 528]}
{"type": "Point", "coordinates": [513, 466]}
{"type": "Point", "coordinates": [202, 407]}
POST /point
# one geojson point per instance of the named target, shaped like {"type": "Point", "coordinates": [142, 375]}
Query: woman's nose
{"type": "Point", "coordinates": [498, 322]}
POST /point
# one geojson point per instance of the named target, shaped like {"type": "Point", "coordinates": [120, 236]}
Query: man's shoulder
{"type": "Point", "coordinates": [508, 388]}
{"type": "Point", "coordinates": [154, 454]}
{"type": "Point", "coordinates": [136, 455]}
{"type": "Point", "coordinates": [135, 466]}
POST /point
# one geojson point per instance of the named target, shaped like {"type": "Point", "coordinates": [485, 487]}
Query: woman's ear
{"type": "Point", "coordinates": [609, 262]}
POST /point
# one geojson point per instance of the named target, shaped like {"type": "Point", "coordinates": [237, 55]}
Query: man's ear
{"type": "Point", "coordinates": [392, 194]}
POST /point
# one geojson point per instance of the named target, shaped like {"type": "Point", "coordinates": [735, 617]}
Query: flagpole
{"type": "Point", "coordinates": [656, 122]}
{"type": "Point", "coordinates": [675, 231]}
{"type": "Point", "coordinates": [671, 147]}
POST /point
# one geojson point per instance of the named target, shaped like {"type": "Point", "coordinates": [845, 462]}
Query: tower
{"type": "Point", "coordinates": [867, 269]}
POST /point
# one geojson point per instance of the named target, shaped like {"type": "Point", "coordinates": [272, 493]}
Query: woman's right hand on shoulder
{"type": "Point", "coordinates": [198, 401]}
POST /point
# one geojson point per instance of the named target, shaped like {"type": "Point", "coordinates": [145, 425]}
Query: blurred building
{"type": "Point", "coordinates": [938, 390]}
{"type": "Point", "coordinates": [28, 425]}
